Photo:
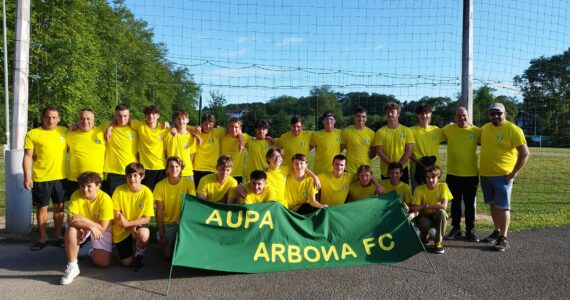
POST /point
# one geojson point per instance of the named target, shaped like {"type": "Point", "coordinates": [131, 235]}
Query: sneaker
{"type": "Point", "coordinates": [492, 237]}
{"type": "Point", "coordinates": [453, 234]}
{"type": "Point", "coordinates": [439, 248]}
{"type": "Point", "coordinates": [501, 244]}
{"type": "Point", "coordinates": [138, 264]}
{"type": "Point", "coordinates": [69, 275]}
{"type": "Point", "coordinates": [471, 236]}
{"type": "Point", "coordinates": [84, 250]}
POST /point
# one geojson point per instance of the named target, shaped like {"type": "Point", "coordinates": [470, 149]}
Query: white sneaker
{"type": "Point", "coordinates": [84, 250]}
{"type": "Point", "coordinates": [70, 274]}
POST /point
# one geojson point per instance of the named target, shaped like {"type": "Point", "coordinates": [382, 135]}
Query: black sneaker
{"type": "Point", "coordinates": [492, 237]}
{"type": "Point", "coordinates": [501, 244]}
{"type": "Point", "coordinates": [471, 236]}
{"type": "Point", "coordinates": [138, 264]}
{"type": "Point", "coordinates": [453, 234]}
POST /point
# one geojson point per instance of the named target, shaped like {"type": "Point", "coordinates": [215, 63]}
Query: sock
{"type": "Point", "coordinates": [73, 264]}
{"type": "Point", "coordinates": [89, 252]}
{"type": "Point", "coordinates": [140, 251]}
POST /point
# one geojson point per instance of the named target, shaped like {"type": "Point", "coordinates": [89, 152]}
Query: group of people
{"type": "Point", "coordinates": [126, 171]}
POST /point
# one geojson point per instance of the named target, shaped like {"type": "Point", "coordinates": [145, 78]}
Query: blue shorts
{"type": "Point", "coordinates": [497, 191]}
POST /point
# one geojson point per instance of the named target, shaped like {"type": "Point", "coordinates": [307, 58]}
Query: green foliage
{"type": "Point", "coordinates": [87, 54]}
{"type": "Point", "coordinates": [483, 97]}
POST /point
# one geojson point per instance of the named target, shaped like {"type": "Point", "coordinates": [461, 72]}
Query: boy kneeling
{"type": "Point", "coordinates": [430, 200]}
{"type": "Point", "coordinates": [89, 213]}
{"type": "Point", "coordinates": [132, 208]}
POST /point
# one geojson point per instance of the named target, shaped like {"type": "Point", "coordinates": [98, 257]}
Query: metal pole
{"type": "Point", "coordinates": [467, 58]}
{"type": "Point", "coordinates": [6, 89]}
{"type": "Point", "coordinates": [116, 87]}
{"type": "Point", "coordinates": [21, 73]}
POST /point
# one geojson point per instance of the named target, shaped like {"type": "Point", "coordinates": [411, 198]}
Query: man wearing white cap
{"type": "Point", "coordinates": [503, 154]}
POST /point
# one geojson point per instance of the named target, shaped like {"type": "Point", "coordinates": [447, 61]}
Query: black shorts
{"type": "Point", "coordinates": [43, 191]}
{"type": "Point", "coordinates": [112, 182]}
{"type": "Point", "coordinates": [125, 248]}
{"type": "Point", "coordinates": [70, 187]}
{"type": "Point", "coordinates": [152, 177]}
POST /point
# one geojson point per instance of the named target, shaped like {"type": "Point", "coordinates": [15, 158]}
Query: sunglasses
{"type": "Point", "coordinates": [496, 113]}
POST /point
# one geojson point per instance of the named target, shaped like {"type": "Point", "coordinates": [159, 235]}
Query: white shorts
{"type": "Point", "coordinates": [104, 243]}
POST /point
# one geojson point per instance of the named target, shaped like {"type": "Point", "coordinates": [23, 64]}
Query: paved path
{"type": "Point", "coordinates": [536, 266]}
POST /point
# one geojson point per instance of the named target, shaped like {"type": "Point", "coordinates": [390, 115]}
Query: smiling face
{"type": "Point", "coordinates": [275, 160]}
{"type": "Point", "coordinates": [207, 126]}
{"type": "Point", "coordinates": [461, 117]}
{"type": "Point", "coordinates": [122, 117]}
{"type": "Point", "coordinates": [296, 128]}
{"type": "Point", "coordinates": [360, 120]}
{"type": "Point", "coordinates": [299, 166]}
{"type": "Point", "coordinates": [234, 129]}
{"type": "Point", "coordinates": [328, 123]}
{"type": "Point", "coordinates": [134, 181]}
{"type": "Point", "coordinates": [497, 117]}
{"type": "Point", "coordinates": [338, 167]}
{"type": "Point", "coordinates": [392, 115]}
{"type": "Point", "coordinates": [364, 178]}
{"type": "Point", "coordinates": [432, 178]}
{"type": "Point", "coordinates": [257, 186]}
{"type": "Point", "coordinates": [89, 190]}
{"type": "Point", "coordinates": [223, 172]}
{"type": "Point", "coordinates": [50, 120]}
{"type": "Point", "coordinates": [424, 118]}
{"type": "Point", "coordinates": [395, 175]}
{"type": "Point", "coordinates": [152, 119]}
{"type": "Point", "coordinates": [86, 121]}
{"type": "Point", "coordinates": [173, 169]}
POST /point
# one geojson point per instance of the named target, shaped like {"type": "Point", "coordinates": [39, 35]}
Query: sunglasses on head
{"type": "Point", "coordinates": [496, 113]}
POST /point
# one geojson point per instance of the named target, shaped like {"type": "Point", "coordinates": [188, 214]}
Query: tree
{"type": "Point", "coordinates": [483, 97]}
{"type": "Point", "coordinates": [216, 106]}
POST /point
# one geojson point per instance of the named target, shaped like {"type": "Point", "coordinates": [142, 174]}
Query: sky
{"type": "Point", "coordinates": [253, 51]}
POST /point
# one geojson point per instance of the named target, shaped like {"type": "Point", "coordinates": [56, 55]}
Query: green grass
{"type": "Point", "coordinates": [540, 195]}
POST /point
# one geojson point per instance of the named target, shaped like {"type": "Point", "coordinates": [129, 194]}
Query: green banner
{"type": "Point", "coordinates": [267, 237]}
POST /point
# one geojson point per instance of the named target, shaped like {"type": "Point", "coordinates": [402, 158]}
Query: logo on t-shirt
{"type": "Point", "coordinates": [433, 137]}
{"type": "Point", "coordinates": [366, 140]}
{"type": "Point", "coordinates": [130, 136]}
{"type": "Point", "coordinates": [471, 137]}
{"type": "Point", "coordinates": [97, 141]}
{"type": "Point", "coordinates": [302, 143]}
{"type": "Point", "coordinates": [338, 140]}
{"type": "Point", "coordinates": [62, 139]}
{"type": "Point", "coordinates": [500, 137]}
{"type": "Point", "coordinates": [141, 204]}
{"type": "Point", "coordinates": [402, 135]}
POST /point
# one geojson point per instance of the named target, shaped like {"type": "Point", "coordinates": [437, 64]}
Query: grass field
{"type": "Point", "coordinates": [540, 194]}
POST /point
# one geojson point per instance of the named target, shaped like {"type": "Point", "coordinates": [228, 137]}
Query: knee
{"type": "Point", "coordinates": [58, 208]}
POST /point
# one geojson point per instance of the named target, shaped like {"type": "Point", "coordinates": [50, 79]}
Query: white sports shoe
{"type": "Point", "coordinates": [70, 274]}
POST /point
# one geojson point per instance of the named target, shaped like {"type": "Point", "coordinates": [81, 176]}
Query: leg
{"type": "Point", "coordinates": [142, 238]}
{"type": "Point", "coordinates": [72, 237]}
{"type": "Point", "coordinates": [424, 224]}
{"type": "Point", "coordinates": [42, 215]}
{"type": "Point", "coordinates": [501, 218]}
{"type": "Point", "coordinates": [469, 195]}
{"type": "Point", "coordinates": [101, 258]}
{"type": "Point", "coordinates": [439, 222]}
{"type": "Point", "coordinates": [454, 184]}
{"type": "Point", "coordinates": [58, 219]}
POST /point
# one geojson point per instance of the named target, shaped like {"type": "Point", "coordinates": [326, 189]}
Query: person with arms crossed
{"type": "Point", "coordinates": [89, 215]}
{"type": "Point", "coordinates": [394, 142]}
{"type": "Point", "coordinates": [462, 172]}
{"type": "Point", "coordinates": [503, 154]}
{"type": "Point", "coordinates": [44, 165]}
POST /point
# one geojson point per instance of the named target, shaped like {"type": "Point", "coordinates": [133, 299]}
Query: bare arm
{"type": "Point", "coordinates": [314, 203]}
{"type": "Point", "coordinates": [383, 157]}
{"type": "Point", "coordinates": [522, 158]}
{"type": "Point", "coordinates": [121, 221]}
{"type": "Point", "coordinates": [407, 154]}
{"type": "Point", "coordinates": [27, 166]}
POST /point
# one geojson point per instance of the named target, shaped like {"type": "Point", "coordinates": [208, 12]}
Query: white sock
{"type": "Point", "coordinates": [140, 251]}
{"type": "Point", "coordinates": [73, 264]}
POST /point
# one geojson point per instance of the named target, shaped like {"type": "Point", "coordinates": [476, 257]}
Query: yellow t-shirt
{"type": "Point", "coordinates": [357, 192]}
{"type": "Point", "coordinates": [498, 148]}
{"type": "Point", "coordinates": [172, 196]}
{"type": "Point", "coordinates": [358, 143]}
{"type": "Point", "coordinates": [403, 190]}
{"type": "Point", "coordinates": [327, 145]}
{"type": "Point", "coordinates": [256, 152]}
{"type": "Point", "coordinates": [294, 144]}
{"type": "Point", "coordinates": [49, 149]}
{"type": "Point", "coordinates": [122, 149]}
{"type": "Point", "coordinates": [277, 180]}
{"type": "Point", "coordinates": [230, 146]}
{"type": "Point", "coordinates": [183, 146]}
{"type": "Point", "coordinates": [251, 198]}
{"type": "Point", "coordinates": [427, 141]}
{"type": "Point", "coordinates": [394, 143]}
{"type": "Point", "coordinates": [217, 192]}
{"type": "Point", "coordinates": [133, 206]}
{"type": "Point", "coordinates": [425, 196]}
{"type": "Point", "coordinates": [100, 209]}
{"type": "Point", "coordinates": [151, 145]}
{"type": "Point", "coordinates": [297, 192]}
{"type": "Point", "coordinates": [462, 149]}
{"type": "Point", "coordinates": [86, 152]}
{"type": "Point", "coordinates": [334, 191]}
{"type": "Point", "coordinates": [209, 150]}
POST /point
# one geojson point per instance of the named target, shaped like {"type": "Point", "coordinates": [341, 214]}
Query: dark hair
{"type": "Point", "coordinates": [327, 114]}
{"type": "Point", "coordinates": [262, 124]}
{"type": "Point", "coordinates": [179, 113]}
{"type": "Point", "coordinates": [225, 161]}
{"type": "Point", "coordinates": [423, 108]}
{"type": "Point", "coordinates": [134, 167]}
{"type": "Point", "coordinates": [395, 165]}
{"type": "Point", "coordinates": [208, 118]}
{"type": "Point", "coordinates": [86, 110]}
{"type": "Point", "coordinates": [89, 177]}
{"type": "Point", "coordinates": [177, 160]}
{"type": "Point", "coordinates": [296, 119]}
{"type": "Point", "coordinates": [299, 156]}
{"type": "Point", "coordinates": [391, 106]}
{"type": "Point", "coordinates": [153, 109]}
{"type": "Point", "coordinates": [360, 110]}
{"type": "Point", "coordinates": [273, 150]}
{"type": "Point", "coordinates": [50, 108]}
{"type": "Point", "coordinates": [121, 107]}
{"type": "Point", "coordinates": [339, 157]}
{"type": "Point", "coordinates": [258, 175]}
{"type": "Point", "coordinates": [434, 169]}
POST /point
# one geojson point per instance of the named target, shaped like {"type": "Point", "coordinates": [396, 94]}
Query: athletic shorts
{"type": "Point", "coordinates": [497, 191]}
{"type": "Point", "coordinates": [125, 248]}
{"type": "Point", "coordinates": [70, 188]}
{"type": "Point", "coordinates": [43, 191]}
{"type": "Point", "coordinates": [104, 243]}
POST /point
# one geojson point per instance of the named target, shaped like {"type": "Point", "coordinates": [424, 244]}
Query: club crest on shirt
{"type": "Point", "coordinates": [302, 143]}
{"type": "Point", "coordinates": [305, 194]}
{"type": "Point", "coordinates": [159, 138]}
{"type": "Point", "coordinates": [97, 141]}
{"type": "Point", "coordinates": [366, 140]}
{"type": "Point", "coordinates": [186, 146]}
{"type": "Point", "coordinates": [338, 140]}
{"type": "Point", "coordinates": [344, 187]}
{"type": "Point", "coordinates": [130, 136]}
{"type": "Point", "coordinates": [62, 139]}
{"type": "Point", "coordinates": [433, 137]}
{"type": "Point", "coordinates": [471, 137]}
{"type": "Point", "coordinates": [141, 204]}
{"type": "Point", "coordinates": [210, 140]}
{"type": "Point", "coordinates": [402, 135]}
{"type": "Point", "coordinates": [500, 137]}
